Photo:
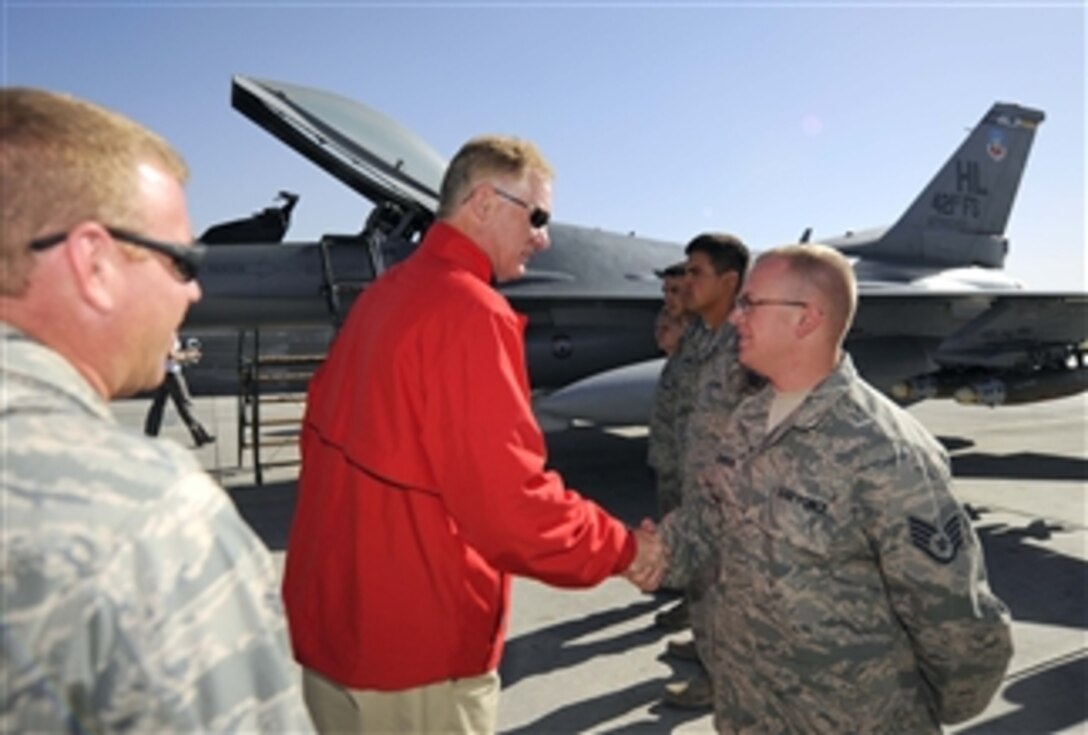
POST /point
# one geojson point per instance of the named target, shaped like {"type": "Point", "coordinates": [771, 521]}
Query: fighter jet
{"type": "Point", "coordinates": [938, 316]}
{"type": "Point", "coordinates": [591, 298]}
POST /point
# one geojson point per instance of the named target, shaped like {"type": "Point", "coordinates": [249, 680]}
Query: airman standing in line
{"type": "Point", "coordinates": [705, 364]}
{"type": "Point", "coordinates": [673, 318]}
{"type": "Point", "coordinates": [849, 590]}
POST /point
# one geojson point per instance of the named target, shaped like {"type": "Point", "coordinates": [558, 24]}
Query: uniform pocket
{"type": "Point", "coordinates": [800, 520]}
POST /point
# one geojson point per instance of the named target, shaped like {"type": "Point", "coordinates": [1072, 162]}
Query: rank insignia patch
{"type": "Point", "coordinates": [941, 544]}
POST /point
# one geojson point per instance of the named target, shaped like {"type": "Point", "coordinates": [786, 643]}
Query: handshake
{"type": "Point", "coordinates": [651, 558]}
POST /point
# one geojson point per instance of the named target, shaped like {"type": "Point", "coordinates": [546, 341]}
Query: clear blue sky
{"type": "Point", "coordinates": [757, 118]}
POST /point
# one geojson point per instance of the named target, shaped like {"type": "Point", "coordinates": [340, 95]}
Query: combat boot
{"type": "Point", "coordinates": [695, 693]}
{"type": "Point", "coordinates": [201, 435]}
{"type": "Point", "coordinates": [675, 618]}
{"type": "Point", "coordinates": [682, 649]}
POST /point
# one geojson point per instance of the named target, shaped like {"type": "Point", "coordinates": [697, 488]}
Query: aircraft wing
{"type": "Point", "coordinates": [976, 328]}
{"type": "Point", "coordinates": [987, 348]}
{"type": "Point", "coordinates": [982, 347]}
{"type": "Point", "coordinates": [990, 347]}
{"type": "Point", "coordinates": [1018, 324]}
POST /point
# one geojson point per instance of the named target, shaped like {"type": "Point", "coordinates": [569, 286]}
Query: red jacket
{"type": "Point", "coordinates": [423, 484]}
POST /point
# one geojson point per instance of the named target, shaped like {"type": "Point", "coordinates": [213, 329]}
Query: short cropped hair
{"type": "Point", "coordinates": [64, 161]}
{"type": "Point", "coordinates": [483, 156]}
{"type": "Point", "coordinates": [827, 272]}
{"type": "Point", "coordinates": [676, 270]}
{"type": "Point", "coordinates": [726, 252]}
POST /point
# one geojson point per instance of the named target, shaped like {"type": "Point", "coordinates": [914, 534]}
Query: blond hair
{"type": "Point", "coordinates": [484, 156]}
{"type": "Point", "coordinates": [826, 272]}
{"type": "Point", "coordinates": [64, 161]}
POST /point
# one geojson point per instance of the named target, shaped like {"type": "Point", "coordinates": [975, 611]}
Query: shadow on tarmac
{"type": "Point", "coordinates": [547, 650]}
{"type": "Point", "coordinates": [268, 509]}
{"type": "Point", "coordinates": [1052, 700]}
{"type": "Point", "coordinates": [611, 469]}
{"type": "Point", "coordinates": [1021, 466]}
{"type": "Point", "coordinates": [955, 443]}
{"type": "Point", "coordinates": [587, 715]}
{"type": "Point", "coordinates": [550, 649]}
{"type": "Point", "coordinates": [1038, 584]}
{"type": "Point", "coordinates": [1043, 587]}
{"type": "Point", "coordinates": [1014, 466]}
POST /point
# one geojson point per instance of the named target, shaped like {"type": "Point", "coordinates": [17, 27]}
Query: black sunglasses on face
{"type": "Point", "coordinates": [185, 258]}
{"type": "Point", "coordinates": [538, 217]}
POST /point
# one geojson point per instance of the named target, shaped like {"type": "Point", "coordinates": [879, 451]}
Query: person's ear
{"type": "Point", "coordinates": [479, 203]}
{"type": "Point", "coordinates": [93, 260]}
{"type": "Point", "coordinates": [812, 318]}
{"type": "Point", "coordinates": [731, 280]}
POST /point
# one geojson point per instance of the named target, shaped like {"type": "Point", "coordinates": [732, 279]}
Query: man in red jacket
{"type": "Point", "coordinates": [423, 485]}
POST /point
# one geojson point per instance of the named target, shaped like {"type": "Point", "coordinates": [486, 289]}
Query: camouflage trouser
{"type": "Point", "coordinates": [700, 612]}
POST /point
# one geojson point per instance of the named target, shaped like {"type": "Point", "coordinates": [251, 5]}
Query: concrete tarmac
{"type": "Point", "coordinates": [592, 660]}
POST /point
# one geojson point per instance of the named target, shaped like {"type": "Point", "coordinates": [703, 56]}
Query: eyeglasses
{"type": "Point", "coordinates": [538, 217]}
{"type": "Point", "coordinates": [746, 303]}
{"type": "Point", "coordinates": [186, 259]}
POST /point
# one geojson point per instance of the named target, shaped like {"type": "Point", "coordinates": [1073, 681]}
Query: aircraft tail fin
{"type": "Point", "coordinates": [959, 219]}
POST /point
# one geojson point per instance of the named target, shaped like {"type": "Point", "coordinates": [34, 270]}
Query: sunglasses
{"type": "Point", "coordinates": [186, 259]}
{"type": "Point", "coordinates": [538, 217]}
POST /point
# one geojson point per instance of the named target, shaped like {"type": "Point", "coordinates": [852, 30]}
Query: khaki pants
{"type": "Point", "coordinates": [463, 706]}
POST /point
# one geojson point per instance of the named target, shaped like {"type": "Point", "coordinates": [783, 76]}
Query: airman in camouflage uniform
{"type": "Point", "coordinates": [673, 401]}
{"type": "Point", "coordinates": [673, 318]}
{"type": "Point", "coordinates": [135, 598]}
{"type": "Point", "coordinates": [701, 378]}
{"type": "Point", "coordinates": [850, 591]}
{"type": "Point", "coordinates": [707, 352]}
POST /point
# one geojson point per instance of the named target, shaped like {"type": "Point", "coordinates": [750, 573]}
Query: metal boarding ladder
{"type": "Point", "coordinates": [271, 401]}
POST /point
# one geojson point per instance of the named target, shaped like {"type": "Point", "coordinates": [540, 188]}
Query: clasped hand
{"type": "Point", "coordinates": [651, 559]}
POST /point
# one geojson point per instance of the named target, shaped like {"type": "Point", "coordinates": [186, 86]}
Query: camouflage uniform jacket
{"type": "Point", "coordinates": [134, 597]}
{"type": "Point", "coordinates": [702, 371]}
{"type": "Point", "coordinates": [851, 592]}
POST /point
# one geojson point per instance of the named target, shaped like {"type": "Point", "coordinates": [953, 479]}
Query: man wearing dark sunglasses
{"type": "Point", "coordinates": [423, 487]}
{"type": "Point", "coordinates": [136, 597]}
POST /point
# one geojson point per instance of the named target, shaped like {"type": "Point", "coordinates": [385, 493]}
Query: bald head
{"type": "Point", "coordinates": [824, 276]}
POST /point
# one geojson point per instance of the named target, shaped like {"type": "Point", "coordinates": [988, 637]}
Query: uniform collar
{"type": "Point", "coordinates": [445, 241]}
{"type": "Point", "coordinates": [751, 414]}
{"type": "Point", "coordinates": [31, 363]}
{"type": "Point", "coordinates": [825, 394]}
